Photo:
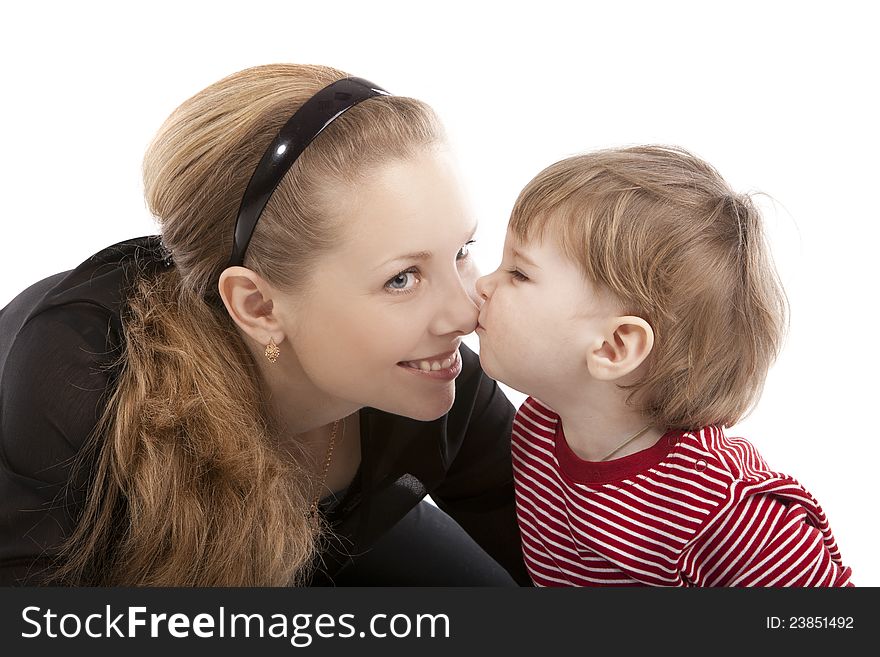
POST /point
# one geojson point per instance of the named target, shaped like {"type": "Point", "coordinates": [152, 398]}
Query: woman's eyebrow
{"type": "Point", "coordinates": [421, 255]}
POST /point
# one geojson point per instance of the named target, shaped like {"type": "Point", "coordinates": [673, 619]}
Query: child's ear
{"type": "Point", "coordinates": [624, 346]}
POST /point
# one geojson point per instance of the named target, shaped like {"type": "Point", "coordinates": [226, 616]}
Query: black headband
{"type": "Point", "coordinates": [308, 122]}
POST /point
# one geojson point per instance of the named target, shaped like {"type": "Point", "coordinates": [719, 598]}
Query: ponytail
{"type": "Point", "coordinates": [188, 490]}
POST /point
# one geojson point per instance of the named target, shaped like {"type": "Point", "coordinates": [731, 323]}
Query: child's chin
{"type": "Point", "coordinates": [491, 370]}
{"type": "Point", "coordinates": [487, 367]}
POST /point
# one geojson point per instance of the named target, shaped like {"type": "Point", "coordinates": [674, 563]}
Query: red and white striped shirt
{"type": "Point", "coordinates": [696, 509]}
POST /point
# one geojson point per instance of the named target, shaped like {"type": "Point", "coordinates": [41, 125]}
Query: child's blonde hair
{"type": "Point", "coordinates": [663, 231]}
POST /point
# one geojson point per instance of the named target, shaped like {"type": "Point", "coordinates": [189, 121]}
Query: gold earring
{"type": "Point", "coordinates": [272, 351]}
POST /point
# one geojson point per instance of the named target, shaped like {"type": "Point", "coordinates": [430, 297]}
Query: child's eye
{"type": "Point", "coordinates": [517, 275]}
{"type": "Point", "coordinates": [400, 283]}
{"type": "Point", "coordinates": [464, 251]}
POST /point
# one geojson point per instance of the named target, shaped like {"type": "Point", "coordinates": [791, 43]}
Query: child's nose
{"type": "Point", "coordinates": [483, 286]}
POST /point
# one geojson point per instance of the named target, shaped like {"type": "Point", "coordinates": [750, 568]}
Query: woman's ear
{"type": "Point", "coordinates": [248, 300]}
{"type": "Point", "coordinates": [626, 344]}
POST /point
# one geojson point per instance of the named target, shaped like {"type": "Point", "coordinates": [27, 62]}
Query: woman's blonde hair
{"type": "Point", "coordinates": [664, 233]}
{"type": "Point", "coordinates": [189, 487]}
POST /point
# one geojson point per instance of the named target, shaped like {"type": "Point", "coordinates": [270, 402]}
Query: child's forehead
{"type": "Point", "coordinates": [541, 239]}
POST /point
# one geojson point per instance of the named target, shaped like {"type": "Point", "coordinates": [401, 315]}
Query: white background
{"type": "Point", "coordinates": [781, 97]}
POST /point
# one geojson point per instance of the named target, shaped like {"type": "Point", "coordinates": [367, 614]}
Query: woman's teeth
{"type": "Point", "coordinates": [430, 366]}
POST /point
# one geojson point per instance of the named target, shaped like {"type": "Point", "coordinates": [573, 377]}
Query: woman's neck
{"type": "Point", "coordinates": [303, 422]}
{"type": "Point", "coordinates": [296, 405]}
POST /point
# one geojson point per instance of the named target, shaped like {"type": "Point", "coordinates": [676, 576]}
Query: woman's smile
{"type": "Point", "coordinates": [443, 367]}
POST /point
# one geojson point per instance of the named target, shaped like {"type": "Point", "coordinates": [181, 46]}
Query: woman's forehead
{"type": "Point", "coordinates": [407, 208]}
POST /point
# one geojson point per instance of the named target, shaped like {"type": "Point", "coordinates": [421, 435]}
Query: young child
{"type": "Point", "coordinates": [637, 305]}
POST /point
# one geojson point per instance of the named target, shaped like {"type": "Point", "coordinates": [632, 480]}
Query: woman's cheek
{"type": "Point", "coordinates": [469, 273]}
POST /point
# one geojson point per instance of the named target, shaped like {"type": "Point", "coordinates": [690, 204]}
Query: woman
{"type": "Point", "coordinates": [174, 415]}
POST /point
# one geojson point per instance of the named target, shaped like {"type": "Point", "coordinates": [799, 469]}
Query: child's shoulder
{"type": "Point", "coordinates": [535, 412]}
{"type": "Point", "coordinates": [718, 472]}
{"type": "Point", "coordinates": [535, 408]}
{"type": "Point", "coordinates": [730, 457]}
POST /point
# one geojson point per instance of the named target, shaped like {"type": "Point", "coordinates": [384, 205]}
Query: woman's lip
{"type": "Point", "coordinates": [430, 359]}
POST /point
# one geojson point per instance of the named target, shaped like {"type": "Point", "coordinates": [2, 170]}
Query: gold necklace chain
{"type": "Point", "coordinates": [313, 507]}
{"type": "Point", "coordinates": [626, 442]}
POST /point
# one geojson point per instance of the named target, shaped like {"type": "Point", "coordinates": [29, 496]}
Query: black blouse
{"type": "Point", "coordinates": [56, 340]}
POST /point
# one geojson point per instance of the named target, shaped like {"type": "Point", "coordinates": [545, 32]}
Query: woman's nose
{"type": "Point", "coordinates": [458, 312]}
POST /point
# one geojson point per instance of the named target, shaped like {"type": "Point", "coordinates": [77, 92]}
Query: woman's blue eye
{"type": "Point", "coordinates": [400, 282]}
{"type": "Point", "coordinates": [406, 281]}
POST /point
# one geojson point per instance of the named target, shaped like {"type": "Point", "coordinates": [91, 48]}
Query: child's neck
{"type": "Point", "coordinates": [595, 427]}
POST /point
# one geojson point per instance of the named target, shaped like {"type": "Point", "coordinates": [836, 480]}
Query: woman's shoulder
{"type": "Point", "coordinates": [58, 341]}
{"type": "Point", "coordinates": [471, 370]}
{"type": "Point", "coordinates": [86, 299]}
{"type": "Point", "coordinates": [480, 406]}
{"type": "Point", "coordinates": [473, 387]}
{"type": "Point", "coordinates": [54, 375]}
{"type": "Point", "coordinates": [99, 280]}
